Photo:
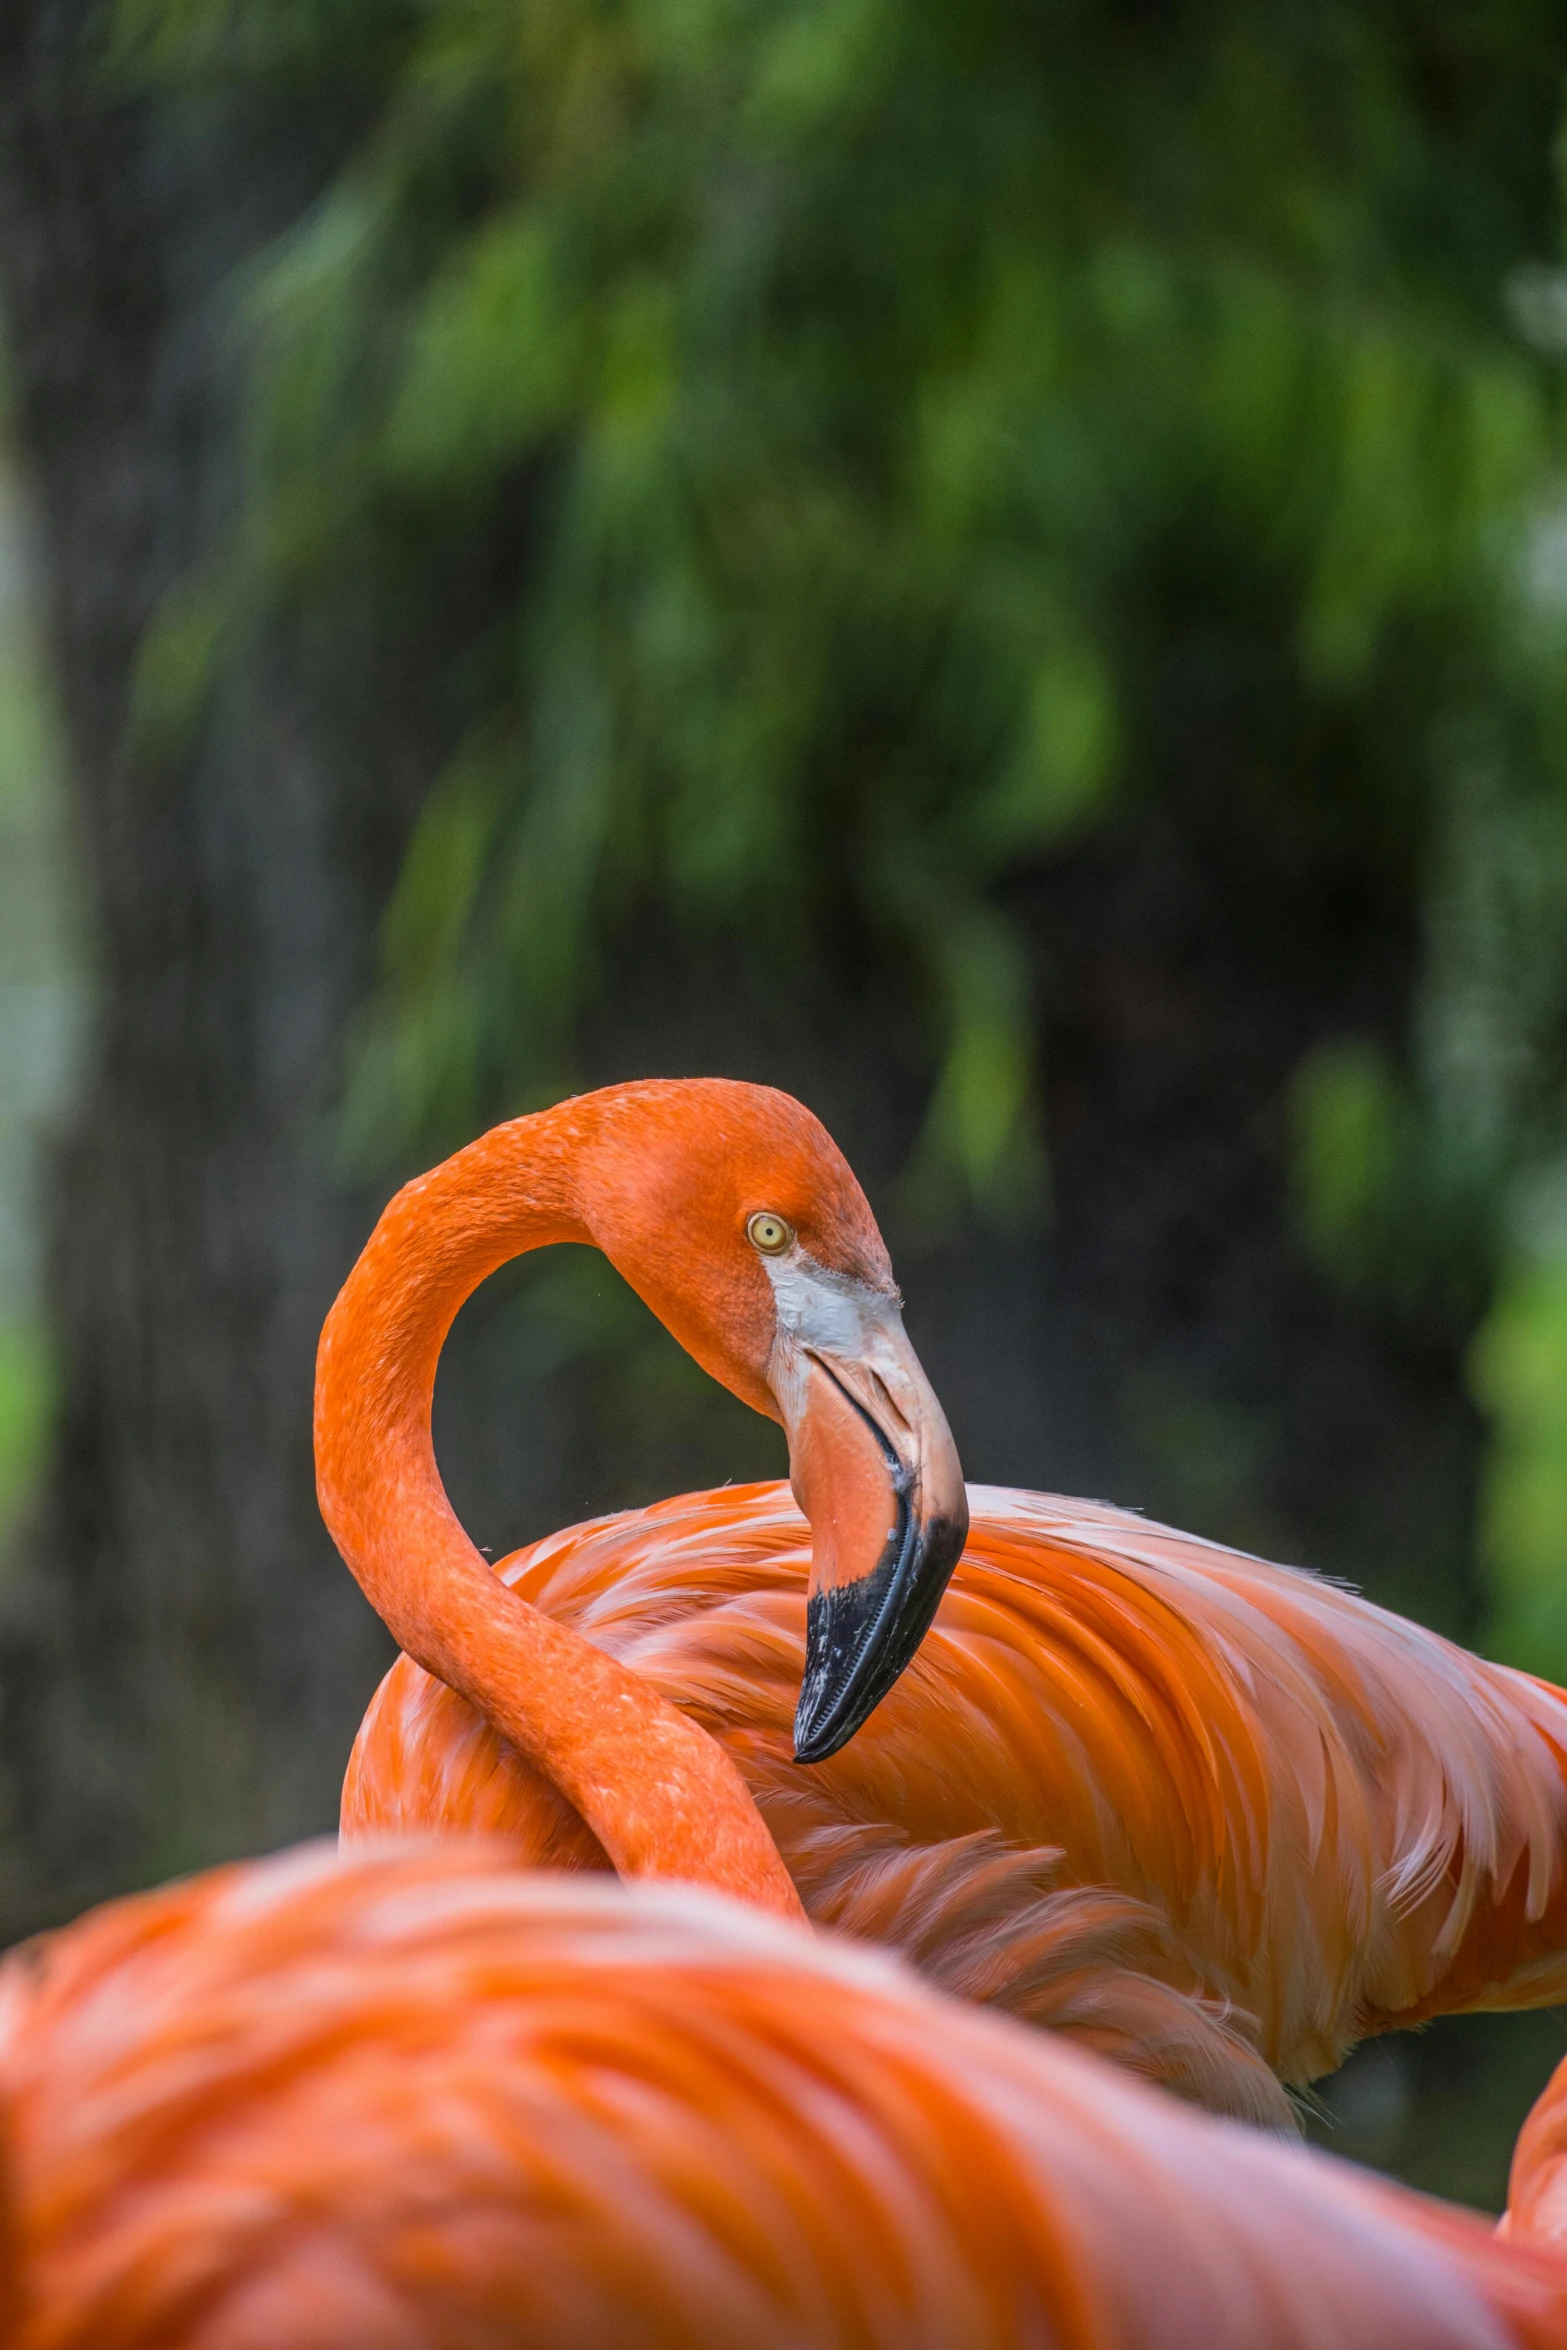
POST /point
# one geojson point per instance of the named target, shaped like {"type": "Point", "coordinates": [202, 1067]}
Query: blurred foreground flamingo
{"type": "Point", "coordinates": [1537, 2187]}
{"type": "Point", "coordinates": [416, 2102]}
{"type": "Point", "coordinates": [1324, 1816]}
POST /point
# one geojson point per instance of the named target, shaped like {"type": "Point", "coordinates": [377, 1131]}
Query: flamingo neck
{"type": "Point", "coordinates": [660, 1794]}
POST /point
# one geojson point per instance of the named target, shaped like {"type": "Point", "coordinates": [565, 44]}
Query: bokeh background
{"type": "Point", "coordinates": [1001, 566]}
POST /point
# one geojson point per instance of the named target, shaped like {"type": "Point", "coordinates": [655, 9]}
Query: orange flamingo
{"type": "Point", "coordinates": [416, 2102]}
{"type": "Point", "coordinates": [1327, 1818]}
{"type": "Point", "coordinates": [1537, 2185]}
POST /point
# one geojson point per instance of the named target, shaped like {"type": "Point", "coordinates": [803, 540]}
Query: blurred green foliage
{"type": "Point", "coordinates": [26, 1397]}
{"type": "Point", "coordinates": [885, 384]}
{"type": "Point", "coordinates": [1351, 1136]}
{"type": "Point", "coordinates": [1520, 1377]}
{"type": "Point", "coordinates": [879, 364]}
{"type": "Point", "coordinates": [37, 999]}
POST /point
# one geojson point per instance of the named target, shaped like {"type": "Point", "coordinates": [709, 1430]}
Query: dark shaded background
{"type": "Point", "coordinates": [1004, 569]}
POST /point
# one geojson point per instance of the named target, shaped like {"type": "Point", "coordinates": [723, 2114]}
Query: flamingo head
{"type": "Point", "coordinates": [734, 1215]}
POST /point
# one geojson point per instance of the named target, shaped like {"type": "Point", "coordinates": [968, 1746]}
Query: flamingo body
{"type": "Point", "coordinates": [1305, 1806]}
{"type": "Point", "coordinates": [1537, 2185]}
{"type": "Point", "coordinates": [416, 2103]}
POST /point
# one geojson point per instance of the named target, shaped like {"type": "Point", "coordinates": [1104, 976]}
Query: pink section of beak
{"type": "Point", "coordinates": [842, 1480]}
{"type": "Point", "coordinates": [875, 1470]}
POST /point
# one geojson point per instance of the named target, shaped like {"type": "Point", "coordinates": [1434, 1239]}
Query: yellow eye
{"type": "Point", "coordinates": [769, 1233]}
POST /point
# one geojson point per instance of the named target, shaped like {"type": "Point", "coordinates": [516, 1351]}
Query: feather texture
{"type": "Point", "coordinates": [416, 2101]}
{"type": "Point", "coordinates": [1318, 1817]}
{"type": "Point", "coordinates": [1537, 2186]}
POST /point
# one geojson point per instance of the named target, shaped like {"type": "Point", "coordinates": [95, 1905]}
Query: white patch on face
{"type": "Point", "coordinates": [827, 1313]}
{"type": "Point", "coordinates": [829, 1323]}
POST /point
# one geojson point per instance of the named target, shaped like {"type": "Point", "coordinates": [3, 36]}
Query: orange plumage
{"type": "Point", "coordinates": [1328, 1816]}
{"type": "Point", "coordinates": [1537, 2185]}
{"type": "Point", "coordinates": [415, 2103]}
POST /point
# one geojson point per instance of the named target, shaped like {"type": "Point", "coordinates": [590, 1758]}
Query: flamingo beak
{"type": "Point", "coordinates": [874, 1468]}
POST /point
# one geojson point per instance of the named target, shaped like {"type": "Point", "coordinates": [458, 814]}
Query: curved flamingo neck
{"type": "Point", "coordinates": [661, 1796]}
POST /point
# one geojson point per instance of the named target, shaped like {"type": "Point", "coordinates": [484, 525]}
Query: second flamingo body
{"type": "Point", "coordinates": [1328, 1816]}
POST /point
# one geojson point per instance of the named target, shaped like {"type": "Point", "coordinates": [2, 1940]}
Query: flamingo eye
{"type": "Point", "coordinates": [769, 1233]}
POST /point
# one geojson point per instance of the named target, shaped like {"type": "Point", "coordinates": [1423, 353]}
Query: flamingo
{"type": "Point", "coordinates": [1537, 2182]}
{"type": "Point", "coordinates": [416, 2101]}
{"type": "Point", "coordinates": [1329, 1821]}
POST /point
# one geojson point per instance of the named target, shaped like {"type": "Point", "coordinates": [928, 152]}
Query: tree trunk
{"type": "Point", "coordinates": [184, 1658]}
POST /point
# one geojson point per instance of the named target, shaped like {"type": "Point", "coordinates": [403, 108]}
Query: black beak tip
{"type": "Point", "coordinates": [860, 1636]}
{"type": "Point", "coordinates": [839, 1625]}
{"type": "Point", "coordinates": [817, 1746]}
{"type": "Point", "coordinates": [817, 1738]}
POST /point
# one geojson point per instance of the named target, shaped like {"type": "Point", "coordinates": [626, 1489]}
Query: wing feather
{"type": "Point", "coordinates": [1344, 1821]}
